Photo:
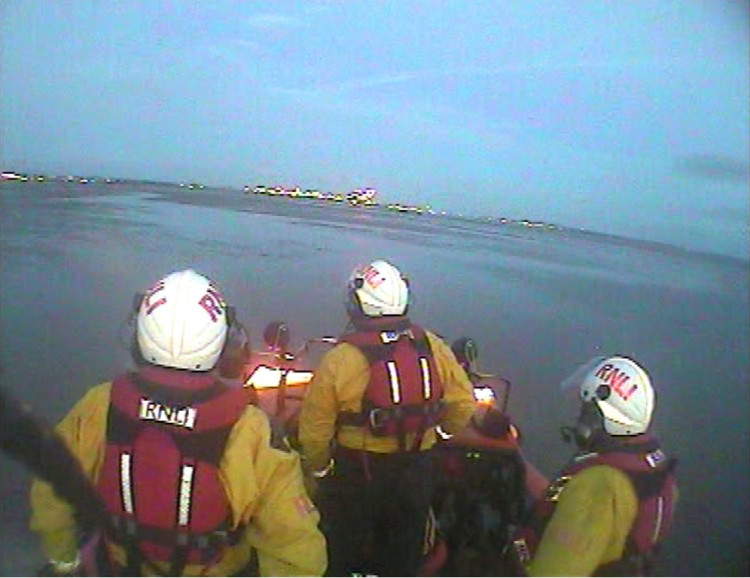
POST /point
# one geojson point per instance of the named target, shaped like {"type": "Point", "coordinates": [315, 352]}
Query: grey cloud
{"type": "Point", "coordinates": [714, 167]}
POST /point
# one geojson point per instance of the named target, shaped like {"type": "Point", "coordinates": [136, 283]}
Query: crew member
{"type": "Point", "coordinates": [185, 468]}
{"type": "Point", "coordinates": [373, 406]}
{"type": "Point", "coordinates": [611, 506]}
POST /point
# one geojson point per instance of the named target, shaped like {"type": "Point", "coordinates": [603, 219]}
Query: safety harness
{"type": "Point", "coordinates": [652, 475]}
{"type": "Point", "coordinates": [405, 392]}
{"type": "Point", "coordinates": [160, 477]}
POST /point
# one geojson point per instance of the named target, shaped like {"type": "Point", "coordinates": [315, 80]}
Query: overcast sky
{"type": "Point", "coordinates": [622, 116]}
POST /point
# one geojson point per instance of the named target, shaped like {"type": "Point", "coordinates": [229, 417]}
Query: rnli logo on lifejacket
{"type": "Point", "coordinates": [655, 458]}
{"type": "Point", "coordinates": [393, 336]}
{"type": "Point", "coordinates": [178, 416]}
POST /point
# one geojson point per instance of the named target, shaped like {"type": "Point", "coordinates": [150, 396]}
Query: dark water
{"type": "Point", "coordinates": [539, 303]}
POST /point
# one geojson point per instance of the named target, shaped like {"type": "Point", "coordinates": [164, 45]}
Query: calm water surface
{"type": "Point", "coordinates": [539, 303]}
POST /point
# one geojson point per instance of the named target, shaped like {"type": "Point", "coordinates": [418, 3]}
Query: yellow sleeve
{"type": "Point", "coordinates": [270, 497]}
{"type": "Point", "coordinates": [590, 526]}
{"type": "Point", "coordinates": [459, 391]}
{"type": "Point", "coordinates": [320, 407]}
{"type": "Point", "coordinates": [83, 430]}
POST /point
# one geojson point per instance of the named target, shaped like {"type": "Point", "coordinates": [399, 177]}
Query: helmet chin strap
{"type": "Point", "coordinates": [567, 433]}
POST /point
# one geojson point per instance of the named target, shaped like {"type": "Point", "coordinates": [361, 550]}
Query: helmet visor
{"type": "Point", "coordinates": [574, 380]}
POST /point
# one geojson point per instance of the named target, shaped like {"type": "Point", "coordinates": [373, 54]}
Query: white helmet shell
{"type": "Point", "coordinates": [623, 392]}
{"type": "Point", "coordinates": [379, 289]}
{"type": "Point", "coordinates": [182, 322]}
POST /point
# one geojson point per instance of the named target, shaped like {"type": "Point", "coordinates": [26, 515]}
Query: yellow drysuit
{"type": "Point", "coordinates": [264, 487]}
{"type": "Point", "coordinates": [589, 528]}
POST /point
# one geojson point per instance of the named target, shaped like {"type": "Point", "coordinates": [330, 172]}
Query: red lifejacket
{"type": "Point", "coordinates": [652, 475]}
{"type": "Point", "coordinates": [159, 479]}
{"type": "Point", "coordinates": [405, 392]}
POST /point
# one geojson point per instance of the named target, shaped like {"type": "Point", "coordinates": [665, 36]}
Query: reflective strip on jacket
{"type": "Point", "coordinates": [264, 487]}
{"type": "Point", "coordinates": [339, 384]}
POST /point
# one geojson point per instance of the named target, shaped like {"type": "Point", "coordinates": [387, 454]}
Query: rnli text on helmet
{"type": "Point", "coordinates": [372, 276]}
{"type": "Point", "coordinates": [617, 379]}
{"type": "Point", "coordinates": [212, 301]}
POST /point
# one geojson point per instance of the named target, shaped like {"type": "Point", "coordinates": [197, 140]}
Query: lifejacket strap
{"type": "Point", "coordinates": [125, 529]}
{"type": "Point", "coordinates": [369, 417]}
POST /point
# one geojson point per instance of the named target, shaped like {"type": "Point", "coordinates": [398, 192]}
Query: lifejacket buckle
{"type": "Point", "coordinates": [219, 537]}
{"type": "Point", "coordinates": [377, 419]}
{"type": "Point", "coordinates": [521, 549]}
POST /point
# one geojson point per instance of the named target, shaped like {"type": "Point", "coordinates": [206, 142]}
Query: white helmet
{"type": "Point", "coordinates": [377, 289]}
{"type": "Point", "coordinates": [182, 322]}
{"type": "Point", "coordinates": [623, 393]}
